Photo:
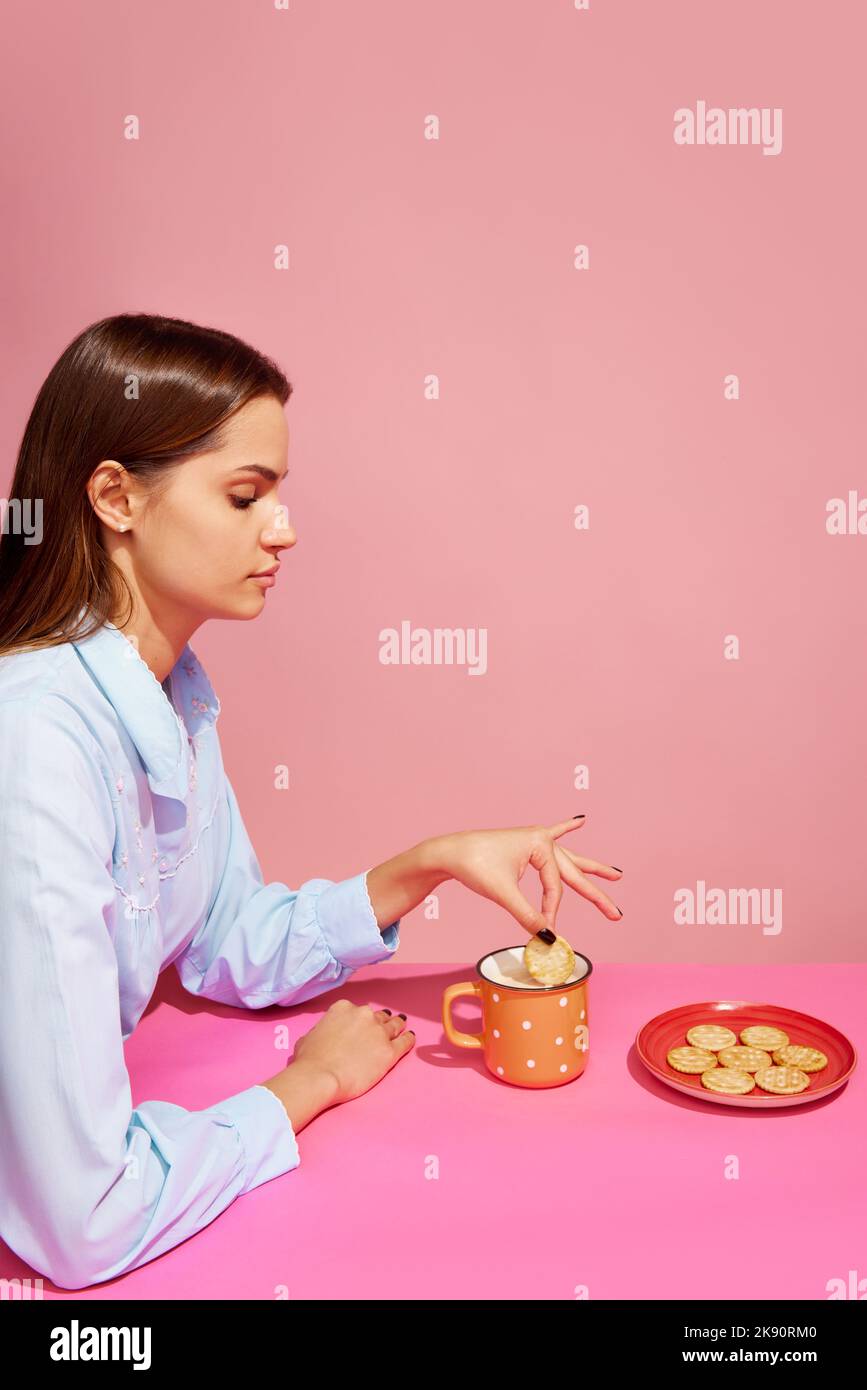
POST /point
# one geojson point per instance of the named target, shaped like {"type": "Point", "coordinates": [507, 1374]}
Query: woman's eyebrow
{"type": "Point", "coordinates": [261, 470]}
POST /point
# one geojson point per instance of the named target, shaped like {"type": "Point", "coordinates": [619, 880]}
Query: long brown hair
{"type": "Point", "coordinates": [145, 390]}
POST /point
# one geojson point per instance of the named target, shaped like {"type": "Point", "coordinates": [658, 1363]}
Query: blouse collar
{"type": "Point", "coordinates": [159, 732]}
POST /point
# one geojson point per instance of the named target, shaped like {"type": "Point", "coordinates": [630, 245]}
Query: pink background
{"type": "Point", "coordinates": [558, 387]}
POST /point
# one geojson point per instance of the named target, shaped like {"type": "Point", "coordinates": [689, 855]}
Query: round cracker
{"type": "Point", "coordinates": [761, 1035]}
{"type": "Point", "coordinates": [691, 1059]}
{"type": "Point", "coordinates": [711, 1036]}
{"type": "Point", "coordinates": [804, 1058]}
{"type": "Point", "coordinates": [728, 1080]}
{"type": "Point", "coordinates": [550, 965]}
{"type": "Point", "coordinates": [744, 1058]}
{"type": "Point", "coordinates": [782, 1081]}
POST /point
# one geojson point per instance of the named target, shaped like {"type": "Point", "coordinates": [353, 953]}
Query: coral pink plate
{"type": "Point", "coordinates": [668, 1030]}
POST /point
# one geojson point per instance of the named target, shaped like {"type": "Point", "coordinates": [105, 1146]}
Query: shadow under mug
{"type": "Point", "coordinates": [532, 1035]}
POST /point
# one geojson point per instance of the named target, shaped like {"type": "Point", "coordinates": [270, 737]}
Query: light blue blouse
{"type": "Point", "coordinates": [122, 851]}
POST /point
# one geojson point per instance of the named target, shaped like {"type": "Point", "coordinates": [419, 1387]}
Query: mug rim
{"type": "Point", "coordinates": [520, 989]}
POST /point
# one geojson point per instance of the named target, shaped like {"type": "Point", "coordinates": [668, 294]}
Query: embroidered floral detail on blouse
{"type": "Point", "coordinates": [119, 784]}
{"type": "Point", "coordinates": [123, 858]}
{"type": "Point", "coordinates": [190, 668]}
{"type": "Point", "coordinates": [141, 878]}
{"type": "Point", "coordinates": [200, 704]}
{"type": "Point", "coordinates": [154, 856]}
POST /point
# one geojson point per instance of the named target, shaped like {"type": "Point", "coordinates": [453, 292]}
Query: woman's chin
{"type": "Point", "coordinates": [249, 605]}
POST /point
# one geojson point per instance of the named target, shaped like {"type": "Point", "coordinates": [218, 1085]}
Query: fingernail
{"type": "Point", "coordinates": [386, 1011]}
{"type": "Point", "coordinates": [620, 910]}
{"type": "Point", "coordinates": [619, 871]}
{"type": "Point", "coordinates": [547, 935]}
{"type": "Point", "coordinates": [581, 817]}
{"type": "Point", "coordinates": [403, 1016]}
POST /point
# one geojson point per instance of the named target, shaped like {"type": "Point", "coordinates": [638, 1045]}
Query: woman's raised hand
{"type": "Point", "coordinates": [493, 862]}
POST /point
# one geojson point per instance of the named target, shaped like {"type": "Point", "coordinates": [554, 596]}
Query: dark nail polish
{"type": "Point", "coordinates": [614, 866]}
{"type": "Point", "coordinates": [547, 935]}
{"type": "Point", "coordinates": [403, 1016]}
{"type": "Point", "coordinates": [386, 1011]}
{"type": "Point", "coordinates": [581, 817]}
{"type": "Point", "coordinates": [620, 910]}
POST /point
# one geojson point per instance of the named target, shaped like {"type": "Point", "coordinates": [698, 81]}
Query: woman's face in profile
{"type": "Point", "coordinates": [217, 523]}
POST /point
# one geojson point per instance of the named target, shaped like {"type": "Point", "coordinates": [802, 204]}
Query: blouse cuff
{"type": "Point", "coordinates": [348, 924]}
{"type": "Point", "coordinates": [266, 1133]}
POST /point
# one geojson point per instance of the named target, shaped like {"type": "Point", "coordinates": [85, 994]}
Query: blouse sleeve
{"type": "Point", "coordinates": [264, 943]}
{"type": "Point", "coordinates": [91, 1187]}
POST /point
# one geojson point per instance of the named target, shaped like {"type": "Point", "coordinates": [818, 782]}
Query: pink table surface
{"type": "Point", "coordinates": [444, 1183]}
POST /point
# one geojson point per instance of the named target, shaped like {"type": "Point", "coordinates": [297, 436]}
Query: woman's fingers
{"type": "Point", "coordinates": [504, 891]}
{"type": "Point", "coordinates": [571, 874]}
{"type": "Point", "coordinates": [543, 859]}
{"type": "Point", "coordinates": [562, 827]}
{"type": "Point", "coordinates": [591, 866]}
{"type": "Point", "coordinates": [513, 900]}
{"type": "Point", "coordinates": [395, 1024]}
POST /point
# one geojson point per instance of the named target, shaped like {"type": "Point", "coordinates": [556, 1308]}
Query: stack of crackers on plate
{"type": "Point", "coordinates": [764, 1057]}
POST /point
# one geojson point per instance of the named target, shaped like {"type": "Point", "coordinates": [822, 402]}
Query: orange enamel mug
{"type": "Point", "coordinates": [532, 1035]}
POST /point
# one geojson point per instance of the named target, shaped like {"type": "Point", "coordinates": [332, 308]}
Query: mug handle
{"type": "Point", "coordinates": [454, 1034]}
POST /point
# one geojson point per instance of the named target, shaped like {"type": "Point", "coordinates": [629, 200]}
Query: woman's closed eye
{"type": "Point", "coordinates": [241, 502]}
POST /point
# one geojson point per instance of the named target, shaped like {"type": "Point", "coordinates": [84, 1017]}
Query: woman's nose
{"type": "Point", "coordinates": [280, 536]}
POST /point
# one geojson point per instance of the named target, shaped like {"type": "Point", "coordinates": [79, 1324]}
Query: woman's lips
{"type": "Point", "coordinates": [265, 581]}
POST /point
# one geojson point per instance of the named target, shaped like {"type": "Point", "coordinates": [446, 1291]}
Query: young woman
{"type": "Point", "coordinates": [156, 449]}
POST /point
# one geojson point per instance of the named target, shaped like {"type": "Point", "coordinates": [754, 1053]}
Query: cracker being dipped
{"type": "Point", "coordinates": [550, 965]}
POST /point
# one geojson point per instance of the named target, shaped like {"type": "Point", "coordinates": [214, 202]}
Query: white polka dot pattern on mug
{"type": "Point", "coordinates": [505, 1052]}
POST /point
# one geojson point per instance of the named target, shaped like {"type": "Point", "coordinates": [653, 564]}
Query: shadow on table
{"type": "Point", "coordinates": [419, 997]}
